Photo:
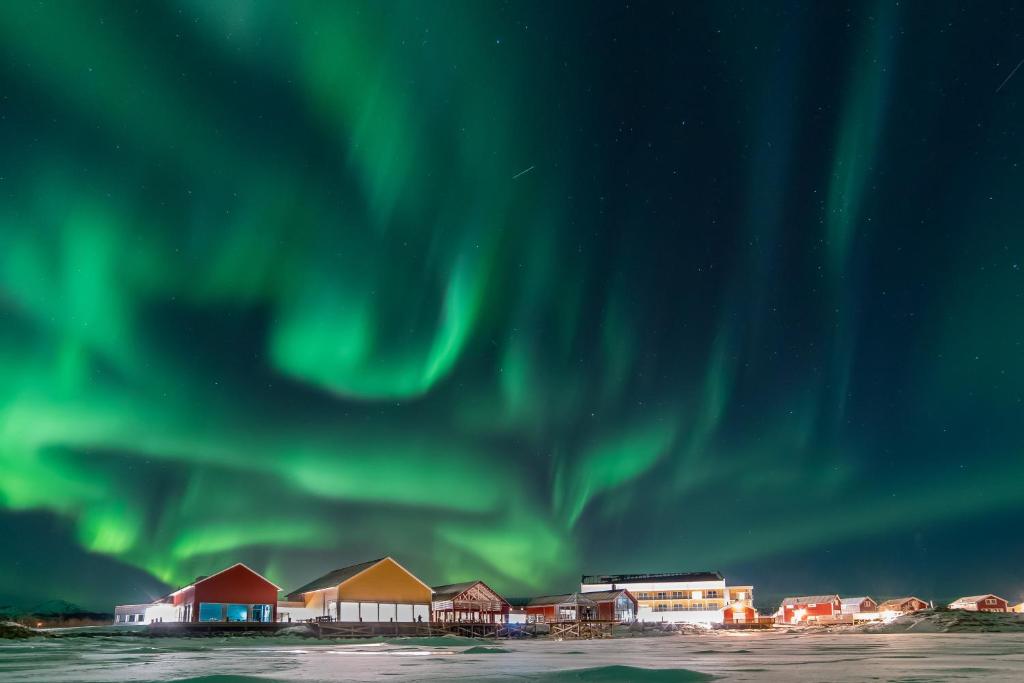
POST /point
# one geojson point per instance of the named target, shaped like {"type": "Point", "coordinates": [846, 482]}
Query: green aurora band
{"type": "Point", "coordinates": [271, 292]}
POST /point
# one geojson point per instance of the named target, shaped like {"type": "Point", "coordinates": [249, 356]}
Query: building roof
{"type": "Point", "coordinates": [594, 579]}
{"type": "Point", "coordinates": [808, 599]}
{"type": "Point", "coordinates": [201, 579]}
{"type": "Point", "coordinates": [896, 602]}
{"type": "Point", "coordinates": [605, 596]}
{"type": "Point", "coordinates": [856, 601]}
{"type": "Point", "coordinates": [340, 576]}
{"type": "Point", "coordinates": [450, 590]}
{"type": "Point", "coordinates": [563, 599]}
{"type": "Point", "coordinates": [977, 598]}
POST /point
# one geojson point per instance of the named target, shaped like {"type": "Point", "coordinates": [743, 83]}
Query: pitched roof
{"type": "Point", "coordinates": [201, 579]}
{"type": "Point", "coordinates": [808, 599]}
{"type": "Point", "coordinates": [451, 590]}
{"type": "Point", "coordinates": [592, 579]}
{"type": "Point", "coordinates": [856, 601]}
{"type": "Point", "coordinates": [896, 602]}
{"type": "Point", "coordinates": [976, 598]}
{"type": "Point", "coordinates": [604, 596]}
{"type": "Point", "coordinates": [563, 599]}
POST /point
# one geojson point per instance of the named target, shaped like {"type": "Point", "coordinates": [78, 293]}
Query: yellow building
{"type": "Point", "coordinates": [1019, 607]}
{"type": "Point", "coordinates": [376, 591]}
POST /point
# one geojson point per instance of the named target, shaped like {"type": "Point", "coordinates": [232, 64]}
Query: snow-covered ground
{"type": "Point", "coordinates": [854, 655]}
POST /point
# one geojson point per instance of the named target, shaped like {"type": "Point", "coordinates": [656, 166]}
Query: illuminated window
{"type": "Point", "coordinates": [211, 611]}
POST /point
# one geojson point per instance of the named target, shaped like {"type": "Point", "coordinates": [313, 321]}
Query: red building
{"type": "Point", "coordinates": [233, 594]}
{"type": "Point", "coordinates": [739, 613]}
{"type": "Point", "coordinates": [613, 605]}
{"type": "Point", "coordinates": [810, 608]}
{"type": "Point", "coordinates": [980, 603]}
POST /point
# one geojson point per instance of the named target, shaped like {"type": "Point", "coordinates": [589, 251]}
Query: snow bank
{"type": "Point", "coordinates": [9, 629]}
{"type": "Point", "coordinates": [951, 621]}
{"type": "Point", "coordinates": [622, 674]}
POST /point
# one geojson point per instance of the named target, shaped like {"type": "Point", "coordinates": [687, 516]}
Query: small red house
{"type": "Point", "coordinates": [739, 613]}
{"type": "Point", "coordinates": [233, 594]}
{"type": "Point", "coordinates": [809, 608]}
{"type": "Point", "coordinates": [980, 603]}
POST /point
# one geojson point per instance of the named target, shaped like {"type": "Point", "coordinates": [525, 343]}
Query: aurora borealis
{"type": "Point", "coordinates": [273, 289]}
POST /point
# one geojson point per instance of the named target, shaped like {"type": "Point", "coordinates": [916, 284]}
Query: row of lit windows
{"type": "Point", "coordinates": [680, 595]}
{"type": "Point", "coordinates": [692, 607]}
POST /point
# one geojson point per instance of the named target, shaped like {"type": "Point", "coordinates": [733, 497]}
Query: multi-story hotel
{"type": "Point", "coordinates": [696, 597]}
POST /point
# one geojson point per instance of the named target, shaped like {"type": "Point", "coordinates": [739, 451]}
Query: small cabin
{"type": "Point", "coordinates": [809, 608]}
{"type": "Point", "coordinates": [858, 605]}
{"type": "Point", "coordinates": [562, 607]}
{"type": "Point", "coordinates": [981, 603]}
{"type": "Point", "coordinates": [897, 606]}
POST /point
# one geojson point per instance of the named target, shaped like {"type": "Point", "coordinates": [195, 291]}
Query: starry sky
{"type": "Point", "coordinates": [512, 290]}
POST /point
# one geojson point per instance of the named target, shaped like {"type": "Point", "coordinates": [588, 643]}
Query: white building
{"type": "Point", "coordinates": [695, 597]}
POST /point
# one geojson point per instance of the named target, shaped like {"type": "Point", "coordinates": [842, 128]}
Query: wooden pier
{"type": "Point", "coordinates": [562, 630]}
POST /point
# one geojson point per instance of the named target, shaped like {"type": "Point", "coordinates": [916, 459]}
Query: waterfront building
{"type": "Point", "coordinates": [680, 597]}
{"type": "Point", "coordinates": [897, 606]}
{"type": "Point", "coordinates": [810, 609]}
{"type": "Point", "coordinates": [470, 601]}
{"type": "Point", "coordinates": [858, 605]}
{"type": "Point", "coordinates": [376, 591]}
{"type": "Point", "coordinates": [234, 594]}
{"type": "Point", "coordinates": [980, 603]}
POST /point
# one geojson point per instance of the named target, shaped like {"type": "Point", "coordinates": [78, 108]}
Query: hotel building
{"type": "Point", "coordinates": [696, 597]}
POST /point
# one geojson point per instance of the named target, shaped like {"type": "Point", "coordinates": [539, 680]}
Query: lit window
{"type": "Point", "coordinates": [211, 611]}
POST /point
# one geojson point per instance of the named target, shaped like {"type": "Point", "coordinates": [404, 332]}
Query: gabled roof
{"type": "Point", "coordinates": [563, 599]}
{"type": "Point", "coordinates": [592, 579]}
{"type": "Point", "coordinates": [856, 601]}
{"type": "Point", "coordinates": [604, 596]}
{"type": "Point", "coordinates": [340, 576]}
{"type": "Point", "coordinates": [203, 579]}
{"type": "Point", "coordinates": [808, 599]}
{"type": "Point", "coordinates": [896, 602]}
{"type": "Point", "coordinates": [450, 591]}
{"type": "Point", "coordinates": [977, 598]}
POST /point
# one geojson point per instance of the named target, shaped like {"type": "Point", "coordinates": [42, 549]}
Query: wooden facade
{"type": "Point", "coordinates": [903, 605]}
{"type": "Point", "coordinates": [469, 602]}
{"type": "Point", "coordinates": [809, 608]}
{"type": "Point", "coordinates": [981, 603]}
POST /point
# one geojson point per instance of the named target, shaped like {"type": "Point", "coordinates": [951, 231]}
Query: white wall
{"type": "Point", "coordinates": [681, 617]}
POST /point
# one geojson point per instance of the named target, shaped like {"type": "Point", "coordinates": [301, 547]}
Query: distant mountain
{"type": "Point", "coordinates": [56, 608]}
{"type": "Point", "coordinates": [49, 610]}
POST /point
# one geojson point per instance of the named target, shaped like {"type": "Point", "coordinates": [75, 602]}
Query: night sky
{"type": "Point", "coordinates": [512, 291]}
